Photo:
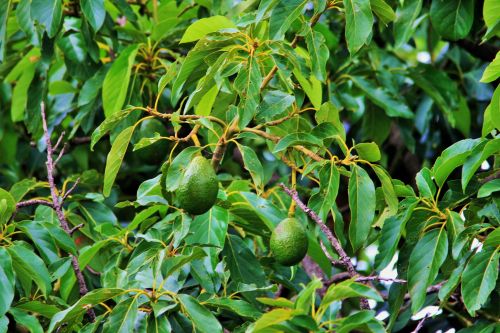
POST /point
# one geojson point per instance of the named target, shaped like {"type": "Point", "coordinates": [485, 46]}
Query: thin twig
{"type": "Point", "coordinates": [68, 192]}
{"type": "Point", "coordinates": [75, 228]}
{"type": "Point", "coordinates": [34, 202]}
{"type": "Point", "coordinates": [346, 260]}
{"type": "Point", "coordinates": [59, 140]}
{"type": "Point", "coordinates": [327, 254]}
{"type": "Point", "coordinates": [57, 206]}
{"type": "Point", "coordinates": [421, 323]}
{"type": "Point", "coordinates": [61, 153]}
{"type": "Point", "coordinates": [432, 289]}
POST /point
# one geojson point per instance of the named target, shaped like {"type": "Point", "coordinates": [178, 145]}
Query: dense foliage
{"type": "Point", "coordinates": [380, 117]}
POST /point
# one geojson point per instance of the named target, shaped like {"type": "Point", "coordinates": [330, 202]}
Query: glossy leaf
{"type": "Point", "coordinates": [406, 21]}
{"type": "Point", "coordinates": [49, 14]}
{"type": "Point", "coordinates": [359, 22]}
{"type": "Point", "coordinates": [425, 261]}
{"type": "Point", "coordinates": [452, 19]}
{"type": "Point", "coordinates": [204, 26]}
{"type": "Point", "coordinates": [392, 106]}
{"type": "Point", "coordinates": [253, 166]}
{"type": "Point", "coordinates": [202, 319]}
{"type": "Point", "coordinates": [492, 72]}
{"type": "Point", "coordinates": [7, 281]}
{"type": "Point", "coordinates": [115, 158]}
{"type": "Point", "coordinates": [94, 12]}
{"type": "Point", "coordinates": [362, 205]}
{"type": "Point", "coordinates": [368, 151]}
{"type": "Point", "coordinates": [384, 12]}
{"type": "Point", "coordinates": [116, 82]}
{"type": "Point", "coordinates": [479, 278]}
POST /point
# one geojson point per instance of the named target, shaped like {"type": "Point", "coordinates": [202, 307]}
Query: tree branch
{"type": "Point", "coordinates": [421, 323]}
{"type": "Point", "coordinates": [344, 258]}
{"type": "Point", "coordinates": [34, 202]}
{"type": "Point", "coordinates": [57, 206]}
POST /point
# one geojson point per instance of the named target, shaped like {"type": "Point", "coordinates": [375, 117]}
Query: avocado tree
{"type": "Point", "coordinates": [249, 166]}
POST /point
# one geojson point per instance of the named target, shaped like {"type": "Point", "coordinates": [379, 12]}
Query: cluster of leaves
{"type": "Point", "coordinates": [382, 114]}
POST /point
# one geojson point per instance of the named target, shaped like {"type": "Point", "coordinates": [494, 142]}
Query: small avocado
{"type": "Point", "coordinates": [289, 242]}
{"type": "Point", "coordinates": [197, 192]}
{"type": "Point", "coordinates": [156, 152]}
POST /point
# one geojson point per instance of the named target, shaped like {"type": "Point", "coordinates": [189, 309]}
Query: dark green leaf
{"type": "Point", "coordinates": [362, 205]}
{"type": "Point", "coordinates": [7, 281]}
{"type": "Point", "coordinates": [202, 319]}
{"type": "Point", "coordinates": [48, 13]}
{"type": "Point", "coordinates": [115, 158]}
{"type": "Point", "coordinates": [209, 228]}
{"type": "Point", "coordinates": [94, 12]}
{"type": "Point", "coordinates": [488, 188]}
{"type": "Point", "coordinates": [406, 21]}
{"type": "Point", "coordinates": [253, 166]}
{"type": "Point", "coordinates": [425, 261]}
{"type": "Point", "coordinates": [479, 278]}
{"type": "Point", "coordinates": [359, 23]}
{"type": "Point", "coordinates": [452, 19]}
{"type": "Point", "coordinates": [116, 82]}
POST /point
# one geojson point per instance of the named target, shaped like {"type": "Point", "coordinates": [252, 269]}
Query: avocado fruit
{"type": "Point", "coordinates": [289, 242]}
{"type": "Point", "coordinates": [198, 189]}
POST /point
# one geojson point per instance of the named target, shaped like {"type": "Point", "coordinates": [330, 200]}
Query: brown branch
{"type": "Point", "coordinates": [185, 117]}
{"type": "Point", "coordinates": [327, 254]}
{"type": "Point", "coordinates": [432, 289]}
{"type": "Point", "coordinates": [344, 258]}
{"type": "Point", "coordinates": [490, 177]}
{"type": "Point", "coordinates": [57, 206]}
{"type": "Point", "coordinates": [75, 228]}
{"type": "Point", "coordinates": [345, 275]}
{"type": "Point", "coordinates": [68, 192]}
{"type": "Point", "coordinates": [34, 202]}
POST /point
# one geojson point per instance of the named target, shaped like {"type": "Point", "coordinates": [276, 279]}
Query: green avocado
{"type": "Point", "coordinates": [197, 192]}
{"type": "Point", "coordinates": [289, 242]}
{"type": "Point", "coordinates": [156, 152]}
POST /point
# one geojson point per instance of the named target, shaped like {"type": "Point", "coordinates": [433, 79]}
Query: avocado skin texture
{"type": "Point", "coordinates": [289, 242]}
{"type": "Point", "coordinates": [197, 192]}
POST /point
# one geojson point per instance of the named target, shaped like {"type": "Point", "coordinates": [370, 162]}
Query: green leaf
{"type": "Point", "coordinates": [486, 189]}
{"type": "Point", "coordinates": [494, 109]}
{"type": "Point", "coordinates": [391, 233]}
{"type": "Point", "coordinates": [478, 155]}
{"type": "Point", "coordinates": [20, 93]}
{"type": "Point", "coordinates": [202, 319]}
{"type": "Point", "coordinates": [359, 24]}
{"type": "Point", "coordinates": [383, 11]}
{"type": "Point", "coordinates": [94, 12]}
{"type": "Point", "coordinates": [329, 178]}
{"type": "Point", "coordinates": [73, 46]}
{"type": "Point", "coordinates": [275, 103]}
{"type": "Point", "coordinates": [305, 298]}
{"type": "Point", "coordinates": [247, 83]}
{"type": "Point", "coordinates": [318, 52]}
{"type": "Point", "coordinates": [24, 319]}
{"type": "Point", "coordinates": [479, 278]}
{"type": "Point", "coordinates": [368, 151]}
{"type": "Point", "coordinates": [253, 166]}
{"type": "Point", "coordinates": [311, 86]}
{"type": "Point", "coordinates": [116, 82]}
{"type": "Point", "coordinates": [493, 238]}
{"type": "Point", "coordinates": [406, 21]}
{"type": "Point", "coordinates": [28, 265]}
{"type": "Point", "coordinates": [179, 164]}
{"type": "Point", "coordinates": [296, 139]}
{"type": "Point", "coordinates": [48, 13]}
{"type": "Point", "coordinates": [44, 309]}
{"type": "Point", "coordinates": [271, 318]}
{"type": "Point", "coordinates": [425, 260]}
{"type": "Point", "coordinates": [362, 204]}
{"type": "Point", "coordinates": [492, 72]}
{"type": "Point", "coordinates": [380, 97]}
{"type": "Point", "coordinates": [491, 12]}
{"type": "Point", "coordinates": [425, 184]}
{"type": "Point", "coordinates": [241, 261]}
{"type": "Point", "coordinates": [452, 19]}
{"type": "Point", "coordinates": [452, 157]}
{"type": "Point", "coordinates": [348, 289]}
{"type": "Point", "coordinates": [205, 26]}
{"type": "Point", "coordinates": [7, 281]}
{"type": "Point", "coordinates": [4, 15]}
{"type": "Point", "coordinates": [80, 307]}
{"type": "Point", "coordinates": [204, 107]}
{"type": "Point", "coordinates": [282, 17]}
{"type": "Point", "coordinates": [451, 284]}
{"type": "Point", "coordinates": [7, 206]}
{"type": "Point", "coordinates": [390, 196]}
{"type": "Point", "coordinates": [328, 113]}
{"type": "Point", "coordinates": [209, 228]}
{"type": "Point", "coordinates": [123, 317]}
{"type": "Point", "coordinates": [107, 125]}
{"type": "Point", "coordinates": [115, 158]}
{"type": "Point", "coordinates": [239, 307]}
